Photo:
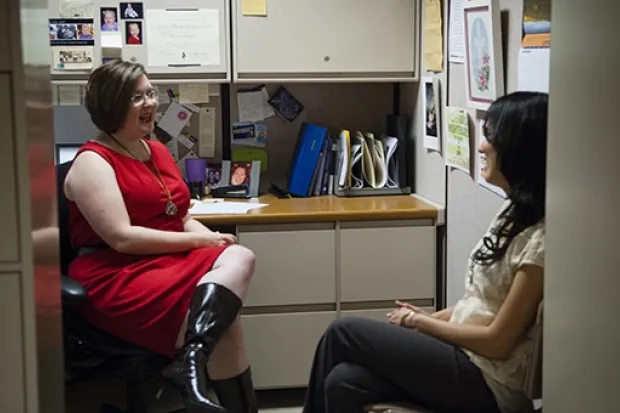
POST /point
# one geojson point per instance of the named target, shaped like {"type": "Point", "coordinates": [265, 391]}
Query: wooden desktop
{"type": "Point", "coordinates": [321, 258]}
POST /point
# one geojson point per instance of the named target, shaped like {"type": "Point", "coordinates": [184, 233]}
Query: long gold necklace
{"type": "Point", "coordinates": [171, 208]}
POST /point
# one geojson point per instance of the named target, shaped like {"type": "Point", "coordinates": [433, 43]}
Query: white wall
{"type": "Point", "coordinates": [582, 276]}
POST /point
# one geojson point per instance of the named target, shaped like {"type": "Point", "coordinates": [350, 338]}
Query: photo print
{"type": "Point", "coordinates": [109, 19]}
{"type": "Point", "coordinates": [432, 121]}
{"type": "Point", "coordinates": [71, 32]}
{"type": "Point", "coordinates": [73, 58]}
{"type": "Point", "coordinates": [132, 11]}
{"type": "Point", "coordinates": [133, 33]}
{"type": "Point", "coordinates": [240, 173]}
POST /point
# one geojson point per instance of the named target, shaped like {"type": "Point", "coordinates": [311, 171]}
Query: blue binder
{"type": "Point", "coordinates": [307, 150]}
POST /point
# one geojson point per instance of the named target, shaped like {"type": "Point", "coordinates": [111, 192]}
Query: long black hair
{"type": "Point", "coordinates": [516, 127]}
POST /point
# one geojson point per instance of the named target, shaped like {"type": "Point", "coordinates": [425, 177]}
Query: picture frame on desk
{"type": "Point", "coordinates": [241, 173]}
{"type": "Point", "coordinates": [484, 74]}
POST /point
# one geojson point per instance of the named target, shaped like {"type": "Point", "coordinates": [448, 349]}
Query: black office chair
{"type": "Point", "coordinates": [92, 354]}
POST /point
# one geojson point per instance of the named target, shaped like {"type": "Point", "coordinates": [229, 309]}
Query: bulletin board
{"type": "Point", "coordinates": [187, 39]}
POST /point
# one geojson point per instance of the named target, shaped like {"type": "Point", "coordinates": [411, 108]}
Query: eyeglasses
{"type": "Point", "coordinates": [139, 98]}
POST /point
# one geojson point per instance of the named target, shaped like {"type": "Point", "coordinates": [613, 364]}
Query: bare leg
{"type": "Point", "coordinates": [233, 269]}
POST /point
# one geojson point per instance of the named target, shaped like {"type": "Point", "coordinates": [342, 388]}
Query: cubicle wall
{"type": "Point", "coordinates": [471, 207]}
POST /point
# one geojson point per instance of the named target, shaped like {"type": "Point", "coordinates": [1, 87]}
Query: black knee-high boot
{"type": "Point", "coordinates": [237, 393]}
{"type": "Point", "coordinates": [212, 310]}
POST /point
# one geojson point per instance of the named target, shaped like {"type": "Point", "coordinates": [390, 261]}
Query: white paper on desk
{"type": "Point", "coordinates": [533, 72]}
{"type": "Point", "coordinates": [457, 32]}
{"type": "Point", "coordinates": [175, 119]}
{"type": "Point", "coordinates": [251, 106]}
{"type": "Point", "coordinates": [194, 93]}
{"type": "Point", "coordinates": [206, 134]}
{"type": "Point", "coordinates": [183, 37]}
{"type": "Point", "coordinates": [223, 208]}
{"type": "Point", "coordinates": [69, 95]}
{"type": "Point", "coordinates": [76, 8]}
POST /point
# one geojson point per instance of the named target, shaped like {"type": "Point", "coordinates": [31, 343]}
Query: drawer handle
{"type": "Point", "coordinates": [326, 59]}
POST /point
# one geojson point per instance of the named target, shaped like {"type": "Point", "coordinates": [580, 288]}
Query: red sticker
{"type": "Point", "coordinates": [182, 115]}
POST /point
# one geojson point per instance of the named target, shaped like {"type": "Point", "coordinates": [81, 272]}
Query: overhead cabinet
{"type": "Point", "coordinates": [300, 40]}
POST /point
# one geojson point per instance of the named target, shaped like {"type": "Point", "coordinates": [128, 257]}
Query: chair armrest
{"type": "Point", "coordinates": [73, 293]}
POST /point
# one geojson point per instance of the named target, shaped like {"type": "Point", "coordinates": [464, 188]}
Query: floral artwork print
{"type": "Point", "coordinates": [484, 74]}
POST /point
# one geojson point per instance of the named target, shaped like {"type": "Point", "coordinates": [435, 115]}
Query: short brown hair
{"type": "Point", "coordinates": [109, 91]}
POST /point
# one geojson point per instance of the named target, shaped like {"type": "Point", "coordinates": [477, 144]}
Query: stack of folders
{"type": "Point", "coordinates": [367, 162]}
{"type": "Point", "coordinates": [314, 163]}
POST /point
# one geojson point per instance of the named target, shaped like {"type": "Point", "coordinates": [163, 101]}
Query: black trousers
{"type": "Point", "coordinates": [360, 361]}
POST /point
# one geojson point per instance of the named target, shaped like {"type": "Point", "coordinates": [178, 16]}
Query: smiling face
{"type": "Point", "coordinates": [134, 30]}
{"type": "Point", "coordinates": [238, 177]}
{"type": "Point", "coordinates": [109, 17]}
{"type": "Point", "coordinates": [140, 120]}
{"type": "Point", "coordinates": [490, 169]}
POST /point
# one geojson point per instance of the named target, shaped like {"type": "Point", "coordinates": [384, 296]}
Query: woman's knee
{"type": "Point", "coordinates": [240, 259]}
{"type": "Point", "coordinates": [346, 325]}
{"type": "Point", "coordinates": [340, 381]}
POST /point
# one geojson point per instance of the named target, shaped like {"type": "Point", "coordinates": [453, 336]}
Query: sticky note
{"type": "Point", "coordinates": [254, 8]}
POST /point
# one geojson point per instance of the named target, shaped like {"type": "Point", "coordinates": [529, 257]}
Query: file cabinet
{"type": "Point", "coordinates": [305, 40]}
{"type": "Point", "coordinates": [9, 247]}
{"type": "Point", "coordinates": [309, 274]}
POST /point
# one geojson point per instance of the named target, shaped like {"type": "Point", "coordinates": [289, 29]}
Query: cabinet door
{"type": "Point", "coordinates": [5, 61]}
{"type": "Point", "coordinates": [293, 267]}
{"type": "Point", "coordinates": [280, 347]}
{"type": "Point", "coordinates": [387, 263]}
{"type": "Point", "coordinates": [327, 37]}
{"type": "Point", "coordinates": [9, 242]}
{"type": "Point", "coordinates": [11, 345]}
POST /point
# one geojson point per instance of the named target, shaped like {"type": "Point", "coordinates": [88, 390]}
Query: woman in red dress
{"type": "Point", "coordinates": [155, 277]}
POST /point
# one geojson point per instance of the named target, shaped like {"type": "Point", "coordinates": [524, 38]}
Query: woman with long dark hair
{"type": "Point", "coordinates": [472, 357]}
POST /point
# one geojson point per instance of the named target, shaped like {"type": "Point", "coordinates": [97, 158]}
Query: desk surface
{"type": "Point", "coordinates": [327, 209]}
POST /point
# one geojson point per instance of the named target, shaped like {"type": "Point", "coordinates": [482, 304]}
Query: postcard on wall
{"type": "Point", "coordinates": [482, 163]}
{"type": "Point", "coordinates": [73, 58]}
{"type": "Point", "coordinates": [432, 121]}
{"type": "Point", "coordinates": [183, 38]}
{"type": "Point", "coordinates": [484, 74]}
{"type": "Point", "coordinates": [457, 139]}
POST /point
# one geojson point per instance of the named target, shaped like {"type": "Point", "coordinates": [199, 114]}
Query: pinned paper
{"type": "Point", "coordinates": [194, 93]}
{"type": "Point", "coordinates": [206, 136]}
{"type": "Point", "coordinates": [174, 119]}
{"type": "Point", "coordinates": [254, 8]}
{"type": "Point", "coordinates": [251, 106]}
{"type": "Point", "coordinates": [69, 95]}
{"type": "Point", "coordinates": [164, 99]}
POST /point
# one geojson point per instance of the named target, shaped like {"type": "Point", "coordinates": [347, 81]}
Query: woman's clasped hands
{"type": "Point", "coordinates": [404, 314]}
{"type": "Point", "coordinates": [216, 239]}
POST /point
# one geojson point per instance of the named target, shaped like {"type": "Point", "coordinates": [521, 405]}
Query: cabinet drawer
{"type": "Point", "coordinates": [327, 36]}
{"type": "Point", "coordinates": [9, 242]}
{"type": "Point", "coordinates": [292, 267]}
{"type": "Point", "coordinates": [11, 345]}
{"type": "Point", "coordinates": [387, 263]}
{"type": "Point", "coordinates": [376, 314]}
{"type": "Point", "coordinates": [281, 347]}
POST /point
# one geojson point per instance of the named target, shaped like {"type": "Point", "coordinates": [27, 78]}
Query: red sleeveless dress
{"type": "Point", "coordinates": [141, 299]}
